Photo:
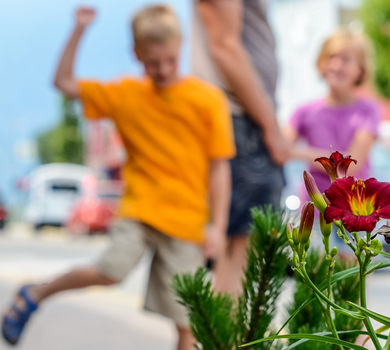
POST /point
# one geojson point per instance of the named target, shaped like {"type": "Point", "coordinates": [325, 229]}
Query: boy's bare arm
{"type": "Point", "coordinates": [64, 79]}
{"type": "Point", "coordinates": [223, 21]}
{"type": "Point", "coordinates": [220, 195]}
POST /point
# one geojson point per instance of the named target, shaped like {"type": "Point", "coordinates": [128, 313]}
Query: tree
{"type": "Point", "coordinates": [218, 321]}
{"type": "Point", "coordinates": [64, 142]}
{"type": "Point", "coordinates": [375, 15]}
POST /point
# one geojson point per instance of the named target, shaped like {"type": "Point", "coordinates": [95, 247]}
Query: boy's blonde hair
{"type": "Point", "coordinates": [155, 24]}
{"type": "Point", "coordinates": [362, 45]}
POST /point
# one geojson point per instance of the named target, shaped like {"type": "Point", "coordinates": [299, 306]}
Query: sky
{"type": "Point", "coordinates": [32, 36]}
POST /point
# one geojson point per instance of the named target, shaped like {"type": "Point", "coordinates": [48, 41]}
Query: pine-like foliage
{"type": "Point", "coordinates": [311, 319]}
{"type": "Point", "coordinates": [220, 322]}
{"type": "Point", "coordinates": [265, 274]}
{"type": "Point", "coordinates": [210, 313]}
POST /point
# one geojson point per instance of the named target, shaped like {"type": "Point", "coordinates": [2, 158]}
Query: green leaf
{"type": "Point", "coordinates": [292, 346]}
{"type": "Point", "coordinates": [375, 267]}
{"type": "Point", "coordinates": [377, 317]}
{"type": "Point", "coordinates": [336, 277]}
{"type": "Point", "coordinates": [319, 338]}
{"type": "Point", "coordinates": [379, 252]}
{"type": "Point", "coordinates": [348, 313]}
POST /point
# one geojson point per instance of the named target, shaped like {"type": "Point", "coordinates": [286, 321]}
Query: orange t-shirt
{"type": "Point", "coordinates": [170, 136]}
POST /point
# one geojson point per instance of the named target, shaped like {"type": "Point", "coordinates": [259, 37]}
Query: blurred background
{"type": "Point", "coordinates": [38, 127]}
{"type": "Point", "coordinates": [49, 211]}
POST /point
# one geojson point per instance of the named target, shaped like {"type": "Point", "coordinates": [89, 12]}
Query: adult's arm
{"type": "Point", "coordinates": [222, 20]}
{"type": "Point", "coordinates": [64, 79]}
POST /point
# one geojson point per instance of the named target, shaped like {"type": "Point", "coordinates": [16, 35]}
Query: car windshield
{"type": "Point", "coordinates": [109, 195]}
{"type": "Point", "coordinates": [65, 188]}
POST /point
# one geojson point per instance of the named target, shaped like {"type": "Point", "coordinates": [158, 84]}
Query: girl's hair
{"type": "Point", "coordinates": [155, 24]}
{"type": "Point", "coordinates": [346, 38]}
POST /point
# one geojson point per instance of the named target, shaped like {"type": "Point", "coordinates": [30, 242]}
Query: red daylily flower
{"type": "Point", "coordinates": [358, 204]}
{"type": "Point", "coordinates": [336, 165]}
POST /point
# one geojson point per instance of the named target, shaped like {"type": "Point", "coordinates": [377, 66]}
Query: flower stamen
{"type": "Point", "coordinates": [360, 204]}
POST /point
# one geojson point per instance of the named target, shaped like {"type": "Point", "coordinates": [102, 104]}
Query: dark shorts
{"type": "Point", "coordinates": [257, 180]}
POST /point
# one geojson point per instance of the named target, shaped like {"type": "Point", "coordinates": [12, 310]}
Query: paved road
{"type": "Point", "coordinates": [93, 319]}
{"type": "Point", "coordinates": [100, 318]}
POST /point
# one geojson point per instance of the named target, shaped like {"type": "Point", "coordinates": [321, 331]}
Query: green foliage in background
{"type": "Point", "coordinates": [64, 142]}
{"type": "Point", "coordinates": [310, 319]}
{"type": "Point", "coordinates": [375, 15]}
{"type": "Point", "coordinates": [218, 321]}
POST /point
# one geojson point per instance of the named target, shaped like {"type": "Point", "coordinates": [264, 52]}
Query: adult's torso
{"type": "Point", "coordinates": [258, 40]}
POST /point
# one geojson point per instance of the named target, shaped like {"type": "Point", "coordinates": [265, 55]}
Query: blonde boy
{"type": "Point", "coordinates": [178, 137]}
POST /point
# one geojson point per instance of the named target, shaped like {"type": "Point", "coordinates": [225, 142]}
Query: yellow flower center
{"type": "Point", "coordinates": [360, 204]}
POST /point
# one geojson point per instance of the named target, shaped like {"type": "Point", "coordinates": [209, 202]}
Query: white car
{"type": "Point", "coordinates": [54, 189]}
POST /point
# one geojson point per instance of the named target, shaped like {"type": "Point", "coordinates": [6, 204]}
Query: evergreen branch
{"type": "Point", "coordinates": [264, 275]}
{"type": "Point", "coordinates": [209, 313]}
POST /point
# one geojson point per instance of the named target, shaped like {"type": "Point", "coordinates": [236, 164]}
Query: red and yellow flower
{"type": "Point", "coordinates": [336, 165]}
{"type": "Point", "coordinates": [358, 204]}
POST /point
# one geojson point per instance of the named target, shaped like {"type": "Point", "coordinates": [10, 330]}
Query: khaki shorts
{"type": "Point", "coordinates": [129, 241]}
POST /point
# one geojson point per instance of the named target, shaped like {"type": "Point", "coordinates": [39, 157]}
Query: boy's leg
{"type": "Point", "coordinates": [229, 266]}
{"type": "Point", "coordinates": [173, 256]}
{"type": "Point", "coordinates": [186, 339]}
{"type": "Point", "coordinates": [126, 250]}
{"type": "Point", "coordinates": [75, 279]}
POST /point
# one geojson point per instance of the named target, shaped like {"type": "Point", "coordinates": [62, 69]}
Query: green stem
{"type": "Point", "coordinates": [329, 283]}
{"type": "Point", "coordinates": [341, 227]}
{"type": "Point", "coordinates": [368, 238]}
{"type": "Point", "coordinates": [317, 291]}
{"type": "Point", "coordinates": [332, 325]}
{"type": "Point", "coordinates": [387, 345]}
{"type": "Point", "coordinates": [356, 235]}
{"type": "Point", "coordinates": [363, 301]}
{"type": "Point", "coordinates": [326, 311]}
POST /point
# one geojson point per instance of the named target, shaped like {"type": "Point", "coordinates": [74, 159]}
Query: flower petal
{"type": "Point", "coordinates": [342, 167]}
{"type": "Point", "coordinates": [339, 193]}
{"type": "Point", "coordinates": [332, 213]}
{"type": "Point", "coordinates": [381, 191]}
{"type": "Point", "coordinates": [384, 212]}
{"type": "Point", "coordinates": [336, 157]}
{"type": "Point", "coordinates": [329, 167]}
{"type": "Point", "coordinates": [355, 223]}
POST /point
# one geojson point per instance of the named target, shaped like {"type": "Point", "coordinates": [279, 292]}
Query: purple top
{"type": "Point", "coordinates": [322, 126]}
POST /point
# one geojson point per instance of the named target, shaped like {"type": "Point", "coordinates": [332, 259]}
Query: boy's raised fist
{"type": "Point", "coordinates": [85, 15]}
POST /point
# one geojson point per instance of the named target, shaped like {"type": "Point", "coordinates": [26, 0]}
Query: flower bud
{"type": "Point", "coordinates": [376, 244]}
{"type": "Point", "coordinates": [307, 245]}
{"type": "Point", "coordinates": [314, 192]}
{"type": "Point", "coordinates": [326, 229]}
{"type": "Point", "coordinates": [307, 220]}
{"type": "Point", "coordinates": [289, 230]}
{"type": "Point", "coordinates": [333, 252]}
{"type": "Point", "coordinates": [362, 243]}
{"type": "Point", "coordinates": [295, 236]}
